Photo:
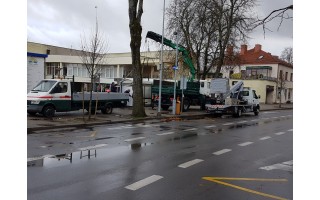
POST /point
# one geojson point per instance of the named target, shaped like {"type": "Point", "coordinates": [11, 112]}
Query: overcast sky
{"type": "Point", "coordinates": [61, 22]}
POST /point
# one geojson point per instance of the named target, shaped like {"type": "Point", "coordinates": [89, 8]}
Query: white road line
{"type": "Point", "coordinates": [290, 130]}
{"type": "Point", "coordinates": [280, 133]}
{"type": "Point", "coordinates": [168, 133]}
{"type": "Point", "coordinates": [265, 138]}
{"type": "Point", "coordinates": [190, 129]}
{"type": "Point", "coordinates": [133, 139]}
{"type": "Point", "coordinates": [287, 166]}
{"type": "Point", "coordinates": [190, 163]}
{"type": "Point", "coordinates": [282, 116]}
{"type": "Point", "coordinates": [242, 122]}
{"type": "Point", "coordinates": [245, 144]}
{"type": "Point", "coordinates": [144, 182]}
{"type": "Point", "coordinates": [121, 127]}
{"type": "Point", "coordinates": [92, 147]}
{"type": "Point", "coordinates": [275, 117]}
{"type": "Point", "coordinates": [38, 157]}
{"type": "Point", "coordinates": [227, 124]}
{"type": "Point", "coordinates": [290, 162]}
{"type": "Point", "coordinates": [211, 126]}
{"type": "Point", "coordinates": [254, 120]}
{"type": "Point", "coordinates": [221, 152]}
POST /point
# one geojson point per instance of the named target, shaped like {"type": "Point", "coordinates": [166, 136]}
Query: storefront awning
{"type": "Point", "coordinates": [258, 67]}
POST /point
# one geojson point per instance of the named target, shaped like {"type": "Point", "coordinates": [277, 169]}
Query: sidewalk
{"type": "Point", "coordinates": [119, 115]}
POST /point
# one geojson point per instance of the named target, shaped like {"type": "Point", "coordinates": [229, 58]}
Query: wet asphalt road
{"type": "Point", "coordinates": [166, 160]}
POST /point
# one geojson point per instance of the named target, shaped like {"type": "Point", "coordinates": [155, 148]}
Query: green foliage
{"type": "Point", "coordinates": [236, 76]}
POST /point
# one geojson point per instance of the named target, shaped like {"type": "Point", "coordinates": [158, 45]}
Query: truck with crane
{"type": "Point", "coordinates": [233, 100]}
{"type": "Point", "coordinates": [191, 95]}
{"type": "Point", "coordinates": [62, 95]}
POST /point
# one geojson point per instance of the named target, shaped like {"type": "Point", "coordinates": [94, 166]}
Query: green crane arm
{"type": "Point", "coordinates": [158, 38]}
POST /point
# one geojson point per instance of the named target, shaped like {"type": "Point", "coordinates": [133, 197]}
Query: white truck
{"type": "Point", "coordinates": [61, 95]}
{"type": "Point", "coordinates": [235, 100]}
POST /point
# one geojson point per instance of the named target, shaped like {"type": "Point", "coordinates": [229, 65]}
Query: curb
{"type": "Point", "coordinates": [82, 125]}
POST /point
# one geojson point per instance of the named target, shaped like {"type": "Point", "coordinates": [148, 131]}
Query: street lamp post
{"type": "Point", "coordinates": [161, 61]}
{"type": "Point", "coordinates": [174, 104]}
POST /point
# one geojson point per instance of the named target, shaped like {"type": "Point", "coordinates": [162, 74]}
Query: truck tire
{"type": "Point", "coordinates": [48, 111]}
{"type": "Point", "coordinates": [256, 111]}
{"type": "Point", "coordinates": [237, 112]}
{"type": "Point", "coordinates": [186, 104]}
{"type": "Point", "coordinates": [107, 109]}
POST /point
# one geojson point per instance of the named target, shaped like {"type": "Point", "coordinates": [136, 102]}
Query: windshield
{"type": "Point", "coordinates": [44, 86]}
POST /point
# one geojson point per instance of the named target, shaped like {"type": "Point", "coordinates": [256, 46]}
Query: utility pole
{"type": "Point", "coordinates": [175, 68]}
{"type": "Point", "coordinates": [161, 61]}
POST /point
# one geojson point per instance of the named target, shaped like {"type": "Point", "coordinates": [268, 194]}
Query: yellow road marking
{"type": "Point", "coordinates": [216, 180]}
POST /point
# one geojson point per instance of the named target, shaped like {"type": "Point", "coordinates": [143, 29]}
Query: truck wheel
{"type": "Point", "coordinates": [186, 105]}
{"type": "Point", "coordinates": [48, 111]}
{"type": "Point", "coordinates": [239, 113]}
{"type": "Point", "coordinates": [256, 111]}
{"type": "Point", "coordinates": [107, 109]}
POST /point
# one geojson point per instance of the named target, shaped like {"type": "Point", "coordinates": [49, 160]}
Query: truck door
{"type": "Point", "coordinates": [61, 96]}
{"type": "Point", "coordinates": [255, 98]}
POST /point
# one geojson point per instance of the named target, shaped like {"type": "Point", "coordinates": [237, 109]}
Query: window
{"type": "Point", "coordinates": [61, 87]}
{"type": "Point", "coordinates": [286, 78]}
{"type": "Point", "coordinates": [280, 76]}
{"type": "Point", "coordinates": [53, 68]}
{"type": "Point", "coordinates": [291, 76]}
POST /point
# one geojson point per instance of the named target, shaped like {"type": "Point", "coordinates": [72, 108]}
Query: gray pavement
{"type": "Point", "coordinates": [119, 115]}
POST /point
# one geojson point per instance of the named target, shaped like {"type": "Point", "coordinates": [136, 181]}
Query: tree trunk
{"type": "Point", "coordinates": [135, 43]}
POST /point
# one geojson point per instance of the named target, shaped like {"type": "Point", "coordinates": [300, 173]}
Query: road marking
{"type": "Point", "coordinates": [245, 144]}
{"type": "Point", "coordinates": [275, 117]}
{"type": "Point", "coordinates": [265, 138]}
{"type": "Point", "coordinates": [282, 116]}
{"type": "Point", "coordinates": [216, 180]}
{"type": "Point", "coordinates": [265, 118]}
{"type": "Point", "coordinates": [92, 147]}
{"type": "Point", "coordinates": [212, 126]}
{"type": "Point", "coordinates": [227, 124]}
{"type": "Point", "coordinates": [221, 152]}
{"type": "Point", "coordinates": [287, 166]}
{"type": "Point", "coordinates": [190, 163]}
{"type": "Point", "coordinates": [190, 129]}
{"type": "Point", "coordinates": [280, 133]}
{"type": "Point", "coordinates": [39, 157]}
{"type": "Point", "coordinates": [168, 133]}
{"type": "Point", "coordinates": [241, 122]}
{"type": "Point", "coordinates": [290, 130]}
{"type": "Point", "coordinates": [133, 139]}
{"type": "Point", "coordinates": [121, 127]}
{"type": "Point", "coordinates": [144, 182]}
{"type": "Point", "coordinates": [254, 120]}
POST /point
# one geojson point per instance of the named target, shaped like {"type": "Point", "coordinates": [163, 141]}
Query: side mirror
{"type": "Point", "coordinates": [258, 96]}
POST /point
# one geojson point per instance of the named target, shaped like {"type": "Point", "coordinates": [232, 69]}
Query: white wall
{"type": "Point", "coordinates": [35, 71]}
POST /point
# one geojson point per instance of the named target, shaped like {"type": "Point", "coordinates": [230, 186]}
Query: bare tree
{"type": "Point", "coordinates": [208, 26]}
{"type": "Point", "coordinates": [287, 55]}
{"type": "Point", "coordinates": [135, 13]}
{"type": "Point", "coordinates": [93, 51]}
{"type": "Point", "coordinates": [281, 13]}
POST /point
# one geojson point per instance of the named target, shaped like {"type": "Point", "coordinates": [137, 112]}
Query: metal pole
{"type": "Point", "coordinates": [182, 93]}
{"type": "Point", "coordinates": [174, 103]}
{"type": "Point", "coordinates": [161, 61]}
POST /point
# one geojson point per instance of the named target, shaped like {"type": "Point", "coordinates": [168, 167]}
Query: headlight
{"type": "Point", "coordinates": [35, 102]}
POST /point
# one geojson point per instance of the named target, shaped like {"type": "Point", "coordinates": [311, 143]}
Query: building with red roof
{"type": "Point", "coordinates": [268, 74]}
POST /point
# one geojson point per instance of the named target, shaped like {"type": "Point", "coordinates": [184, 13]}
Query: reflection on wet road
{"type": "Point", "coordinates": [109, 160]}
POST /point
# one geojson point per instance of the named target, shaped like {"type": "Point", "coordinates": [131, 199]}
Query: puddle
{"type": "Point", "coordinates": [104, 138]}
{"type": "Point", "coordinates": [185, 136]}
